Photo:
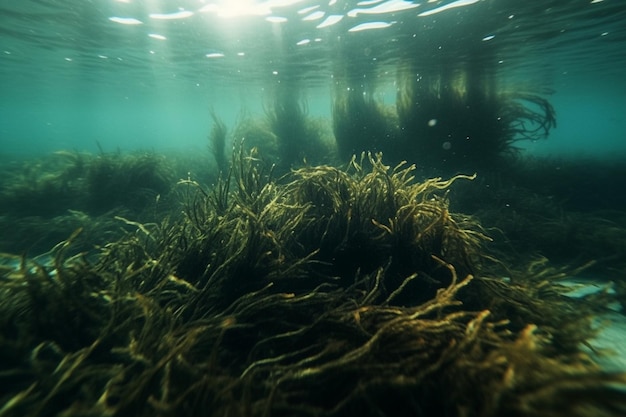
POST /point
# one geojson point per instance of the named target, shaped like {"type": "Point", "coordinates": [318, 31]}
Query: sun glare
{"type": "Point", "coordinates": [235, 8]}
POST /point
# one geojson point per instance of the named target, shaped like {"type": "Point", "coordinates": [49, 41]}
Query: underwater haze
{"type": "Point", "coordinates": [143, 74]}
{"type": "Point", "coordinates": [301, 208]}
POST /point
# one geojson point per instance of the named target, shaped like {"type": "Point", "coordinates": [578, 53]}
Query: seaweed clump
{"type": "Point", "coordinates": [329, 292]}
{"type": "Point", "coordinates": [44, 200]}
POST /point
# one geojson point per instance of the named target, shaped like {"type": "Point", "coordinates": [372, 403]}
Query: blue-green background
{"type": "Point", "coordinates": [73, 78]}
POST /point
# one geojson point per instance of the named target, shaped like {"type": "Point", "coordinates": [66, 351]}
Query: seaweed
{"type": "Point", "coordinates": [44, 200]}
{"type": "Point", "coordinates": [563, 209]}
{"type": "Point", "coordinates": [112, 180]}
{"type": "Point", "coordinates": [254, 133]}
{"type": "Point", "coordinates": [327, 291]}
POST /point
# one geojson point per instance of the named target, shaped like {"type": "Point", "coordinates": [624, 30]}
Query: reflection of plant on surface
{"type": "Point", "coordinates": [260, 301]}
{"type": "Point", "coordinates": [446, 118]}
{"type": "Point", "coordinates": [286, 118]}
{"type": "Point", "coordinates": [217, 143]}
{"type": "Point", "coordinates": [362, 124]}
{"type": "Point", "coordinates": [298, 136]}
{"type": "Point", "coordinates": [459, 120]}
{"type": "Point", "coordinates": [286, 136]}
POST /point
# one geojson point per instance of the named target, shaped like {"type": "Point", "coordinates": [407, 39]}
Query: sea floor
{"type": "Point", "coordinates": [608, 348]}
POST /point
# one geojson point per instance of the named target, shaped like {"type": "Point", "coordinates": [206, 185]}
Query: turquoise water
{"type": "Point", "coordinates": [143, 74]}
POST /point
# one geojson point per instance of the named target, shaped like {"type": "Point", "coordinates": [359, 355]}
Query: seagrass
{"type": "Point", "coordinates": [325, 292]}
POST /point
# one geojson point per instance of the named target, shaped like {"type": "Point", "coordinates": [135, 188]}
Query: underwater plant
{"type": "Point", "coordinates": [254, 133]}
{"type": "Point", "coordinates": [131, 181]}
{"type": "Point", "coordinates": [44, 200]}
{"type": "Point", "coordinates": [329, 292]}
{"type": "Point", "coordinates": [563, 209]}
{"type": "Point", "coordinates": [45, 186]}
